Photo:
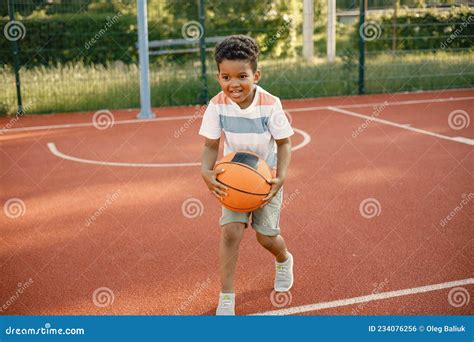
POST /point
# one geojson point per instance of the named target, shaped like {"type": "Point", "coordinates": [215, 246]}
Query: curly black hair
{"type": "Point", "coordinates": [237, 47]}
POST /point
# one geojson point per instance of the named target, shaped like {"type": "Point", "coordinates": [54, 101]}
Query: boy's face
{"type": "Point", "coordinates": [237, 81]}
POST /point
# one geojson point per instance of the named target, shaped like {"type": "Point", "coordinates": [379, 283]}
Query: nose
{"type": "Point", "coordinates": [234, 84]}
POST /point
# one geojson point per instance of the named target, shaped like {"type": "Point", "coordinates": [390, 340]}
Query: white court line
{"type": "Point", "coordinates": [53, 149]}
{"type": "Point", "coordinates": [4, 130]}
{"type": "Point", "coordinates": [461, 140]}
{"type": "Point", "coordinates": [89, 124]}
{"type": "Point", "coordinates": [394, 103]}
{"type": "Point", "coordinates": [368, 298]}
{"type": "Point", "coordinates": [306, 139]}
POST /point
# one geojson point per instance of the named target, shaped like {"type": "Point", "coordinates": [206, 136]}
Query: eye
{"type": "Point", "coordinates": [225, 78]}
{"type": "Point", "coordinates": [243, 76]}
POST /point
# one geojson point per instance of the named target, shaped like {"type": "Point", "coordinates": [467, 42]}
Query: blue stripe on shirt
{"type": "Point", "coordinates": [235, 124]}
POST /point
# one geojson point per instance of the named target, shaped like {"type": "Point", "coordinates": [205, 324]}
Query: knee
{"type": "Point", "coordinates": [232, 233]}
{"type": "Point", "coordinates": [265, 241]}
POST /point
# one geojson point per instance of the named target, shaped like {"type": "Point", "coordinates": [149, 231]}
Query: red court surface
{"type": "Point", "coordinates": [97, 221]}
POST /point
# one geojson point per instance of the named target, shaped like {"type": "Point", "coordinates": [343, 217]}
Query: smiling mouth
{"type": "Point", "coordinates": [236, 93]}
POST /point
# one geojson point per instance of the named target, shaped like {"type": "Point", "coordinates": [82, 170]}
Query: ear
{"type": "Point", "coordinates": [256, 76]}
{"type": "Point", "coordinates": [217, 75]}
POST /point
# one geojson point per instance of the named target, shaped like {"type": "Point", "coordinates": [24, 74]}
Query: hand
{"type": "Point", "coordinates": [210, 177]}
{"type": "Point", "coordinates": [276, 184]}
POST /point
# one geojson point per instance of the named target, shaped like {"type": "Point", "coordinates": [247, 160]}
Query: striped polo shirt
{"type": "Point", "coordinates": [253, 129]}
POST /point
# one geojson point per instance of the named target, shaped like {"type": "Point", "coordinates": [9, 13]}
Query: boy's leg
{"type": "Point", "coordinates": [284, 261]}
{"type": "Point", "coordinates": [232, 229]}
{"type": "Point", "coordinates": [275, 245]}
{"type": "Point", "coordinates": [266, 222]}
{"type": "Point", "coordinates": [231, 235]}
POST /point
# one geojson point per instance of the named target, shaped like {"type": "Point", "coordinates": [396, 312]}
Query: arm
{"type": "Point", "coordinates": [208, 160]}
{"type": "Point", "coordinates": [209, 154]}
{"type": "Point", "coordinates": [284, 158]}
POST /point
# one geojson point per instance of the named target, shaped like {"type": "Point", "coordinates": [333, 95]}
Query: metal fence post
{"type": "Point", "coordinates": [202, 52]}
{"type": "Point", "coordinates": [145, 100]}
{"type": "Point", "coordinates": [361, 48]}
{"type": "Point", "coordinates": [308, 30]}
{"type": "Point", "coordinates": [16, 60]}
{"type": "Point", "coordinates": [331, 29]}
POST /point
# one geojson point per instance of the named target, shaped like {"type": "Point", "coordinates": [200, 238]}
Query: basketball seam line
{"type": "Point", "coordinates": [244, 165]}
{"type": "Point", "coordinates": [245, 192]}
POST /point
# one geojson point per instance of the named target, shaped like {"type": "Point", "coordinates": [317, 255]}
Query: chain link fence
{"type": "Point", "coordinates": [80, 55]}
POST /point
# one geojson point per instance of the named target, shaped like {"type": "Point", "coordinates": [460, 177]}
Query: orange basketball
{"type": "Point", "coordinates": [245, 176]}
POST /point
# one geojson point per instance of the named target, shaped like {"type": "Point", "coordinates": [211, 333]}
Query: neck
{"type": "Point", "coordinates": [250, 98]}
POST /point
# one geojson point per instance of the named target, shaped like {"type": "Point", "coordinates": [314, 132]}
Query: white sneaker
{"type": "Point", "coordinates": [284, 275]}
{"type": "Point", "coordinates": [226, 305]}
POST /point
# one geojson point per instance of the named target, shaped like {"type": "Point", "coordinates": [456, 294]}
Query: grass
{"type": "Point", "coordinates": [76, 87]}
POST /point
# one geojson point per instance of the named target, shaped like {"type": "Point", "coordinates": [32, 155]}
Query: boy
{"type": "Point", "coordinates": [252, 120]}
